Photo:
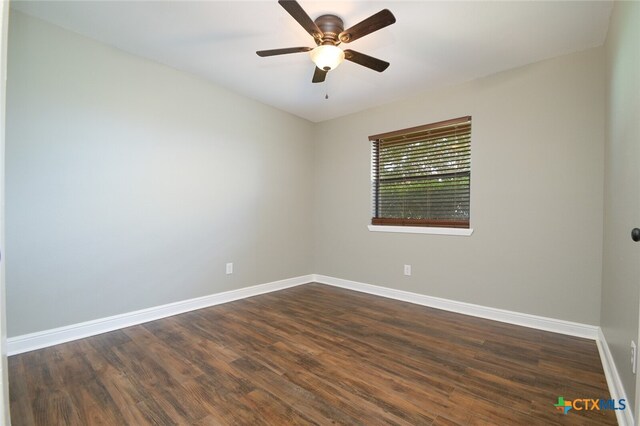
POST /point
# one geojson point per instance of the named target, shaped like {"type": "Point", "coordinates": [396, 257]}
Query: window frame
{"type": "Point", "coordinates": [435, 226]}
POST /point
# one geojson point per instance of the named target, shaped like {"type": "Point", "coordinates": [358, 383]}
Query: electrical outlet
{"type": "Point", "coordinates": [229, 268]}
{"type": "Point", "coordinates": [634, 357]}
{"type": "Point", "coordinates": [407, 270]}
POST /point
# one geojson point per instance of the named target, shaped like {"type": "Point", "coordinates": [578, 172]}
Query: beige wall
{"type": "Point", "coordinates": [4, 374]}
{"type": "Point", "coordinates": [203, 177]}
{"type": "Point", "coordinates": [621, 270]}
{"type": "Point", "coordinates": [131, 184]}
{"type": "Point", "coordinates": [536, 194]}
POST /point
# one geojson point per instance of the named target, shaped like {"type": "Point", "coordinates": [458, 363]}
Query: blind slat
{"type": "Point", "coordinates": [422, 145]}
{"type": "Point", "coordinates": [411, 130]}
{"type": "Point", "coordinates": [421, 150]}
{"type": "Point", "coordinates": [427, 138]}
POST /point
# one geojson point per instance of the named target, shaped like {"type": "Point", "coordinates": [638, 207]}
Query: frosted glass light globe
{"type": "Point", "coordinates": [327, 57]}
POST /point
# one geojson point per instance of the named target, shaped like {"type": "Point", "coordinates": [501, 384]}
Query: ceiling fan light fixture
{"type": "Point", "coordinates": [327, 57]}
{"type": "Point", "coordinates": [328, 32]}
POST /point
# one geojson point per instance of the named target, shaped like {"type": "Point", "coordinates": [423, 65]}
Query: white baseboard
{"type": "Point", "coordinates": [42, 339]}
{"type": "Point", "coordinates": [625, 417]}
{"type": "Point", "coordinates": [532, 321]}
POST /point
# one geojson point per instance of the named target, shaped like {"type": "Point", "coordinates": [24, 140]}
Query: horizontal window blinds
{"type": "Point", "coordinates": [422, 175]}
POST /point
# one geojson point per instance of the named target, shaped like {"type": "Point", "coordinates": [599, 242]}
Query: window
{"type": "Point", "coordinates": [422, 175]}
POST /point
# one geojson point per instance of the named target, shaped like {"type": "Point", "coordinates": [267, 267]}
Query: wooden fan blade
{"type": "Point", "coordinates": [382, 19]}
{"type": "Point", "coordinates": [298, 13]}
{"type": "Point", "coordinates": [285, 51]}
{"type": "Point", "coordinates": [319, 75]}
{"type": "Point", "coordinates": [366, 60]}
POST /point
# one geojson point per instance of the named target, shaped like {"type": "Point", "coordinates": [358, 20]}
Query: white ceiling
{"type": "Point", "coordinates": [432, 44]}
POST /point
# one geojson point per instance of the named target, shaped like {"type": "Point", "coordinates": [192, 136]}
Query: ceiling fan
{"type": "Point", "coordinates": [328, 32]}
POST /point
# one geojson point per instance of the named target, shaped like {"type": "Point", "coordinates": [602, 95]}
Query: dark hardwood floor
{"type": "Point", "coordinates": [312, 354]}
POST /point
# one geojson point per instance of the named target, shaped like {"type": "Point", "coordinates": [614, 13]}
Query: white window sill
{"type": "Point", "coordinates": [465, 232]}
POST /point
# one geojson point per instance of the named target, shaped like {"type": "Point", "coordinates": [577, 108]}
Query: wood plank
{"type": "Point", "coordinates": [311, 354]}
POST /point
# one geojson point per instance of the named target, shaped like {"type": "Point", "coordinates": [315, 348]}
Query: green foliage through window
{"type": "Point", "coordinates": [423, 176]}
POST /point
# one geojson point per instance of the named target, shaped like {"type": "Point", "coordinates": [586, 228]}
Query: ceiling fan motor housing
{"type": "Point", "coordinates": [331, 26]}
